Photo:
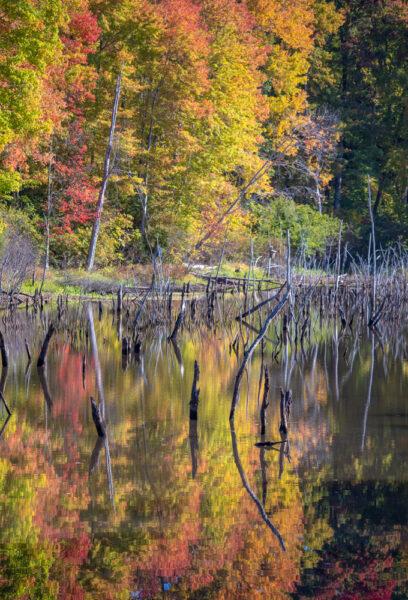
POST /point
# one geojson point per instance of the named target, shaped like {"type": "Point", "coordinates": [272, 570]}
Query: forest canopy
{"type": "Point", "coordinates": [233, 120]}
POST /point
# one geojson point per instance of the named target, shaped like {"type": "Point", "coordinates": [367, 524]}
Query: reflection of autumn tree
{"type": "Point", "coordinates": [201, 537]}
{"type": "Point", "coordinates": [42, 541]}
{"type": "Point", "coordinates": [357, 562]}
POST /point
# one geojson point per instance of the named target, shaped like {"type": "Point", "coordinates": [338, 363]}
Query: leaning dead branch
{"type": "Point", "coordinates": [261, 304]}
{"type": "Point", "coordinates": [248, 353]}
{"type": "Point", "coordinates": [44, 348]}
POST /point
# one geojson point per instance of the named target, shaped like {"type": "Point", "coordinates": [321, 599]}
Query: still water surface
{"type": "Point", "coordinates": [168, 508]}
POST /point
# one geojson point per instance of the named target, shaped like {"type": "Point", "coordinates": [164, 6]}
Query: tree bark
{"type": "Point", "coordinates": [379, 195]}
{"type": "Point", "coordinates": [105, 178]}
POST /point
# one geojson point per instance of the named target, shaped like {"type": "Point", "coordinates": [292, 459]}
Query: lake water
{"type": "Point", "coordinates": [168, 508]}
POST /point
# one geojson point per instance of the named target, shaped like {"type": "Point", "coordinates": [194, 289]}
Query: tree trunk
{"type": "Point", "coordinates": [338, 182]}
{"type": "Point", "coordinates": [379, 195]}
{"type": "Point", "coordinates": [105, 178]}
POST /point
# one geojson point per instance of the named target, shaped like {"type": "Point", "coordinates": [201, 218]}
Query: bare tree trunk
{"type": "Point", "coordinates": [319, 197]}
{"type": "Point", "coordinates": [47, 220]}
{"type": "Point", "coordinates": [47, 225]}
{"type": "Point", "coordinates": [105, 178]}
{"type": "Point", "coordinates": [338, 180]}
{"type": "Point", "coordinates": [379, 195]}
{"type": "Point", "coordinates": [374, 264]}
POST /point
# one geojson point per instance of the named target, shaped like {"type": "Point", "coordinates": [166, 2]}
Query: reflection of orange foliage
{"type": "Point", "coordinates": [58, 499]}
{"type": "Point", "coordinates": [241, 560]}
{"type": "Point", "coordinates": [72, 396]}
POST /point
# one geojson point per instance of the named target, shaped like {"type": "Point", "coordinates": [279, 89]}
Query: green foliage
{"type": "Point", "coordinates": [307, 227]}
{"type": "Point", "coordinates": [116, 236]}
{"type": "Point", "coordinates": [23, 221]}
{"type": "Point", "coordinates": [29, 42]}
{"type": "Point", "coordinates": [25, 560]}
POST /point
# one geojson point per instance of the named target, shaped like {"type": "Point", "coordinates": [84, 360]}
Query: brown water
{"type": "Point", "coordinates": [162, 508]}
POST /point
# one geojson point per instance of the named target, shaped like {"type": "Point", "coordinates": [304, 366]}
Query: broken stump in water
{"type": "Point", "coordinates": [265, 402]}
{"type": "Point", "coordinates": [195, 393]}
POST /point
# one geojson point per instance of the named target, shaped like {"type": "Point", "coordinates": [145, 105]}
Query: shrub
{"type": "Point", "coordinates": [306, 225]}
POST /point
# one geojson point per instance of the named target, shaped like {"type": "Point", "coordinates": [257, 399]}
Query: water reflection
{"type": "Point", "coordinates": [193, 509]}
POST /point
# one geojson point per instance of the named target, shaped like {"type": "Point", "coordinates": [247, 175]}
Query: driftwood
{"type": "Point", "coordinates": [195, 393]}
{"type": "Point", "coordinates": [44, 348]}
{"type": "Point", "coordinates": [97, 419]}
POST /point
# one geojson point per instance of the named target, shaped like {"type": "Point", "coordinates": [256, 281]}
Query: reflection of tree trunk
{"type": "Point", "coordinates": [247, 487]}
{"type": "Point", "coordinates": [101, 393]}
{"type": "Point", "coordinates": [5, 423]}
{"type": "Point", "coordinates": [179, 357]}
{"type": "Point", "coordinates": [42, 375]}
{"type": "Point", "coordinates": [109, 471]}
{"type": "Point", "coordinates": [3, 379]}
{"type": "Point", "coordinates": [264, 466]}
{"type": "Point", "coordinates": [368, 401]}
{"type": "Point", "coordinates": [336, 362]}
{"type": "Point", "coordinates": [283, 449]}
{"type": "Point", "coordinates": [95, 354]}
{"type": "Point", "coordinates": [193, 436]}
{"type": "Point", "coordinates": [94, 461]}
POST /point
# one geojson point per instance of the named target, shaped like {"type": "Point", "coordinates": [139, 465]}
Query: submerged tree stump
{"type": "Point", "coordinates": [265, 402]}
{"type": "Point", "coordinates": [195, 393]}
{"type": "Point", "coordinates": [285, 402]}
